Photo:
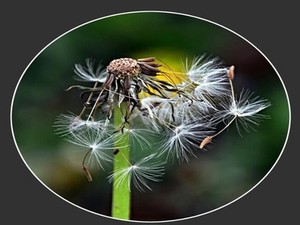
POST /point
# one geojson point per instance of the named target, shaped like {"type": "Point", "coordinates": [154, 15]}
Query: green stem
{"type": "Point", "coordinates": [121, 193]}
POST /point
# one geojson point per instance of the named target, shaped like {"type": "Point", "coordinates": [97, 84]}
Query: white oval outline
{"type": "Point", "coordinates": [162, 12]}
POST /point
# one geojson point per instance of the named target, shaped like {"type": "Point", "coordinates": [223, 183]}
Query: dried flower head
{"type": "Point", "coordinates": [124, 67]}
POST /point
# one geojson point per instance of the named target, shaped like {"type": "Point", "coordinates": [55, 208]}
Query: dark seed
{"type": "Point", "coordinates": [116, 151]}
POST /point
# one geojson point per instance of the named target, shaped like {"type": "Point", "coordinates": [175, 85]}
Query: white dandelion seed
{"type": "Point", "coordinates": [68, 124]}
{"type": "Point", "coordinates": [186, 110]}
{"type": "Point", "coordinates": [153, 111]}
{"type": "Point", "coordinates": [161, 112]}
{"type": "Point", "coordinates": [244, 110]}
{"type": "Point", "coordinates": [88, 74]}
{"type": "Point", "coordinates": [183, 139]}
{"type": "Point", "coordinates": [151, 103]}
{"type": "Point", "coordinates": [100, 147]}
{"type": "Point", "coordinates": [147, 169]}
{"type": "Point", "coordinates": [138, 138]}
{"type": "Point", "coordinates": [208, 77]}
{"type": "Point", "coordinates": [166, 111]}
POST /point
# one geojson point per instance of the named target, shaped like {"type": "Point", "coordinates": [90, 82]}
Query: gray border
{"type": "Point", "coordinates": [234, 208]}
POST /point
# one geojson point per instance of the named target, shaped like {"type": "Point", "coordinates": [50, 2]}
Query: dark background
{"type": "Point", "coordinates": [267, 194]}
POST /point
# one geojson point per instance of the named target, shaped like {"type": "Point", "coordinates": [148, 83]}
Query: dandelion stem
{"type": "Point", "coordinates": [121, 193]}
{"type": "Point", "coordinates": [234, 103]}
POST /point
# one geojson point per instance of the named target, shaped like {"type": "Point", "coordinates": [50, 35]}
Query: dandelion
{"type": "Point", "coordinates": [147, 169]}
{"type": "Point", "coordinates": [135, 101]}
{"type": "Point", "coordinates": [137, 111]}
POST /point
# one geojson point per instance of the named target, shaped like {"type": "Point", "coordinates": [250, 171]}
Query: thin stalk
{"type": "Point", "coordinates": [85, 169]}
{"type": "Point", "coordinates": [209, 138]}
{"type": "Point", "coordinates": [95, 105]}
{"type": "Point", "coordinates": [224, 128]}
{"type": "Point", "coordinates": [121, 197]}
{"type": "Point", "coordinates": [88, 100]}
{"type": "Point", "coordinates": [234, 104]}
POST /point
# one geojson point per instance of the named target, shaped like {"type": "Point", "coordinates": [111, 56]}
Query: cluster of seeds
{"type": "Point", "coordinates": [163, 114]}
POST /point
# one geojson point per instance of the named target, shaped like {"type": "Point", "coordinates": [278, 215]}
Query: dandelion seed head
{"type": "Point", "coordinates": [124, 67]}
{"type": "Point", "coordinates": [182, 115]}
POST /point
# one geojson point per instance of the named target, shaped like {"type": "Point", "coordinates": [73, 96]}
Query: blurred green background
{"type": "Point", "coordinates": [231, 167]}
